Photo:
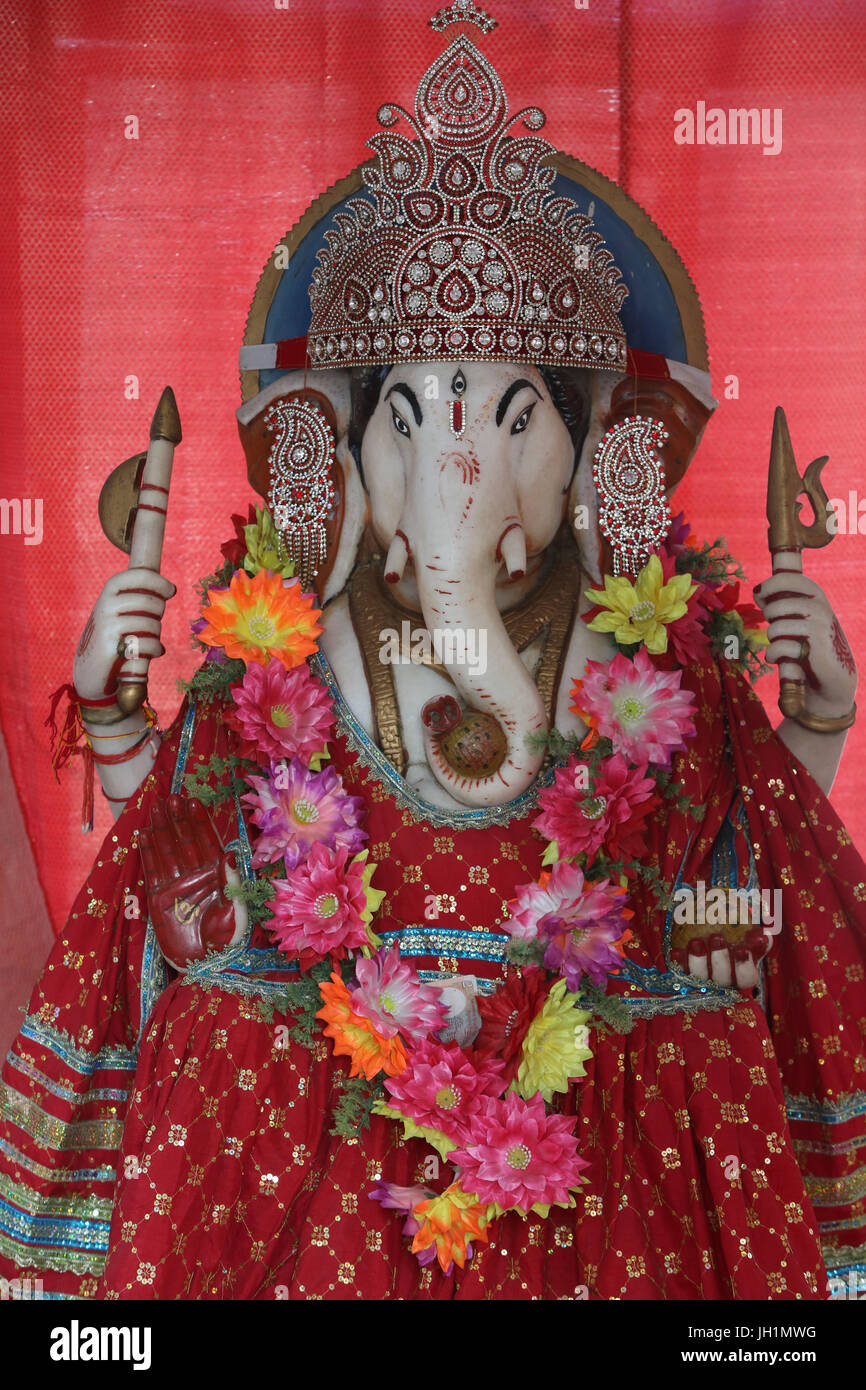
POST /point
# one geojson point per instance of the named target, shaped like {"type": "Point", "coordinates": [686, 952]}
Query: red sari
{"type": "Point", "coordinates": [160, 1139]}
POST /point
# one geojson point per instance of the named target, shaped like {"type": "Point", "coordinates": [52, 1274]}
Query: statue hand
{"type": "Point", "coordinates": [130, 606]}
{"type": "Point", "coordinates": [712, 958]}
{"type": "Point", "coordinates": [186, 871]}
{"type": "Point", "coordinates": [804, 629]}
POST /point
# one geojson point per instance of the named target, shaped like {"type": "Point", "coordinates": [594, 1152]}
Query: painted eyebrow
{"type": "Point", "coordinates": [410, 397]}
{"type": "Point", "coordinates": [510, 394]}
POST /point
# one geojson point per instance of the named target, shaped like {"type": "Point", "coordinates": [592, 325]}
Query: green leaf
{"type": "Point", "coordinates": [610, 1012]}
{"type": "Point", "coordinates": [354, 1107]}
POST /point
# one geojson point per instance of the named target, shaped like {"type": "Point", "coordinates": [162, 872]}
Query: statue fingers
{"type": "Point", "coordinates": [141, 581]}
{"type": "Point", "coordinates": [789, 608]}
{"type": "Point", "coordinates": [188, 851]}
{"type": "Point", "coordinates": [721, 970]}
{"type": "Point", "coordinates": [149, 647]}
{"type": "Point", "coordinates": [140, 603]}
{"type": "Point", "coordinates": [154, 871]}
{"type": "Point", "coordinates": [786, 649]}
{"type": "Point", "coordinates": [782, 583]}
{"type": "Point", "coordinates": [205, 831]}
{"type": "Point", "coordinates": [165, 841]}
{"type": "Point", "coordinates": [745, 968]}
{"type": "Point", "coordinates": [698, 958]}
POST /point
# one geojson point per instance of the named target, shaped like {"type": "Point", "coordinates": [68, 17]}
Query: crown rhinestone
{"type": "Point", "coordinates": [460, 227]}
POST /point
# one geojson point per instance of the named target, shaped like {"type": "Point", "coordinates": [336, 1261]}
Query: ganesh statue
{"type": "Point", "coordinates": [470, 933]}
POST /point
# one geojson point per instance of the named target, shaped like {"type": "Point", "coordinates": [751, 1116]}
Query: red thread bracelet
{"type": "Point", "coordinates": [111, 759]}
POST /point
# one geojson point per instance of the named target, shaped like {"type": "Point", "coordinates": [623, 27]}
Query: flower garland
{"type": "Point", "coordinates": [488, 1108]}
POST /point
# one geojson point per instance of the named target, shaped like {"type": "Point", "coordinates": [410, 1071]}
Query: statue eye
{"type": "Point", "coordinates": [400, 424]}
{"type": "Point", "coordinates": [522, 420]}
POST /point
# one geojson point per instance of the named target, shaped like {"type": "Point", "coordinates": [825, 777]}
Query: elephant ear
{"type": "Point", "coordinates": [347, 519]}
{"type": "Point", "coordinates": [679, 396]}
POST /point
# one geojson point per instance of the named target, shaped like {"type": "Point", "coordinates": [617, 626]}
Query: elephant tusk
{"type": "Point", "coordinates": [397, 558]}
{"type": "Point", "coordinates": [512, 550]}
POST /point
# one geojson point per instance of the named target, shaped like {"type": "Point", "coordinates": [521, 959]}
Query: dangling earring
{"type": "Point", "coordinates": [629, 478]}
{"type": "Point", "coordinates": [302, 488]}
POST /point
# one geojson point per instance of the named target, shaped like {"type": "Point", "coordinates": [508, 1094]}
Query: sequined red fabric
{"type": "Point", "coordinates": [230, 1185]}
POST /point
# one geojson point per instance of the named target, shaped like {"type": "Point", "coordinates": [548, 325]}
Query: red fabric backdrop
{"type": "Point", "coordinates": [139, 258]}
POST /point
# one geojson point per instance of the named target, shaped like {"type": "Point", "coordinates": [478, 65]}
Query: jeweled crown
{"type": "Point", "coordinates": [465, 253]}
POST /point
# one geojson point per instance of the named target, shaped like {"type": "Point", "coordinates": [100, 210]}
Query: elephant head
{"type": "Point", "coordinates": [464, 472]}
{"type": "Point", "coordinates": [467, 469]}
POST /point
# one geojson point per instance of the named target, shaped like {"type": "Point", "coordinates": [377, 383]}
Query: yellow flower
{"type": "Point", "coordinates": [640, 612]}
{"type": "Point", "coordinates": [555, 1047]}
{"type": "Point", "coordinates": [374, 896]}
{"type": "Point", "coordinates": [450, 1222]}
{"type": "Point", "coordinates": [257, 618]}
{"type": "Point", "coordinates": [433, 1137]}
{"type": "Point", "coordinates": [263, 548]}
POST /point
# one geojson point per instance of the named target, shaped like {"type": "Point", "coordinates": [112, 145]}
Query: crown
{"type": "Point", "coordinates": [464, 253]}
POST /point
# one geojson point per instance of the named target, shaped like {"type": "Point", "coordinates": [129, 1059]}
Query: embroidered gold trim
{"type": "Point", "coordinates": [836, 1192]}
{"type": "Point", "coordinates": [54, 1133]}
{"type": "Point", "coordinates": [59, 1261]}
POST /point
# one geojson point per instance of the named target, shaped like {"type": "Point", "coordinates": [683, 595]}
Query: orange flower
{"type": "Point", "coordinates": [590, 720]}
{"type": "Point", "coordinates": [257, 618]}
{"type": "Point", "coordinates": [355, 1037]}
{"type": "Point", "coordinates": [449, 1221]}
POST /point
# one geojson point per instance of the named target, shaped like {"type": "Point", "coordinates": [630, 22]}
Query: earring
{"type": "Point", "coordinates": [629, 478]}
{"type": "Point", "coordinates": [302, 488]}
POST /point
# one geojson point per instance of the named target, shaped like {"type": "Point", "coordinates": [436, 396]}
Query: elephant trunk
{"type": "Point", "coordinates": [481, 757]}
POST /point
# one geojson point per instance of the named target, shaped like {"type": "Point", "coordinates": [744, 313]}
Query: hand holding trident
{"type": "Point", "coordinates": [787, 536]}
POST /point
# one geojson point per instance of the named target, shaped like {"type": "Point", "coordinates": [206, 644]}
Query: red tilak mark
{"type": "Point", "coordinates": [457, 416]}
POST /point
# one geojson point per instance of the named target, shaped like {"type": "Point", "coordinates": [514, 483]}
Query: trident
{"type": "Point", "coordinates": [788, 536]}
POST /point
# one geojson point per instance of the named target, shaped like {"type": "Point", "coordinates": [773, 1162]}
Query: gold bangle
{"type": "Point", "coordinates": [820, 724]}
{"type": "Point", "coordinates": [103, 714]}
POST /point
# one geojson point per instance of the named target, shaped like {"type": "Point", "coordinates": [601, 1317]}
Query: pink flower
{"type": "Point", "coordinates": [279, 713]}
{"type": "Point", "coordinates": [641, 709]}
{"type": "Point", "coordinates": [583, 924]}
{"type": "Point", "coordinates": [519, 1156]}
{"type": "Point", "coordinates": [389, 993]}
{"type": "Point", "coordinates": [441, 1087]}
{"type": "Point", "coordinates": [612, 816]}
{"type": "Point", "coordinates": [295, 809]}
{"type": "Point", "coordinates": [317, 909]}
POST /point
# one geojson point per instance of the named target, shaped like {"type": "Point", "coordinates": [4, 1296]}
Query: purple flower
{"type": "Point", "coordinates": [294, 809]}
